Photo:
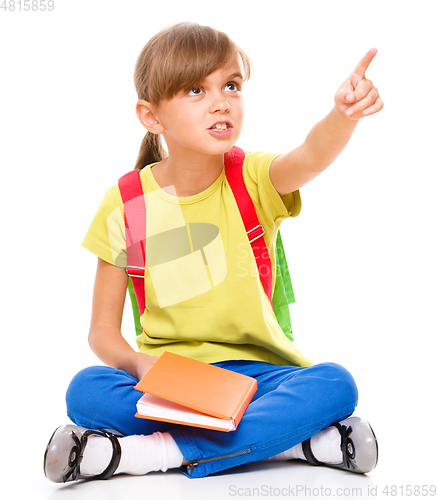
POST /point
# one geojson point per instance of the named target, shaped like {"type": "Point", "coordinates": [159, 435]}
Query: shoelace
{"type": "Point", "coordinates": [75, 457]}
{"type": "Point", "coordinates": [77, 454]}
{"type": "Point", "coordinates": [347, 445]}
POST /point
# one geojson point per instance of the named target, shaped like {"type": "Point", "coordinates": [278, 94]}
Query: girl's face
{"type": "Point", "coordinates": [207, 119]}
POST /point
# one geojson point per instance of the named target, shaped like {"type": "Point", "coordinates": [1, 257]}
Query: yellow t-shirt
{"type": "Point", "coordinates": [204, 298]}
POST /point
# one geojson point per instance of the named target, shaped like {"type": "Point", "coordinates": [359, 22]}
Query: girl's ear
{"type": "Point", "coordinates": [145, 113]}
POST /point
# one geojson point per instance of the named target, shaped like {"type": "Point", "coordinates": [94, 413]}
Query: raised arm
{"type": "Point", "coordinates": [356, 98]}
{"type": "Point", "coordinates": [105, 337]}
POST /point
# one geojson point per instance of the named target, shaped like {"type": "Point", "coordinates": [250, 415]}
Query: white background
{"type": "Point", "coordinates": [362, 254]}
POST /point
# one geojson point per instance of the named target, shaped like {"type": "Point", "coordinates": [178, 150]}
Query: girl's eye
{"type": "Point", "coordinates": [231, 87]}
{"type": "Point", "coordinates": [194, 92]}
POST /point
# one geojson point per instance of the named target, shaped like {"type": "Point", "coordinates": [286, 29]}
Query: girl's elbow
{"type": "Point", "coordinates": [93, 339]}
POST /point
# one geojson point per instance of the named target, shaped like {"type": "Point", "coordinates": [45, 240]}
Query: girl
{"type": "Point", "coordinates": [189, 82]}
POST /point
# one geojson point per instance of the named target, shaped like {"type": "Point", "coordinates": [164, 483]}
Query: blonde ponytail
{"type": "Point", "coordinates": [151, 151]}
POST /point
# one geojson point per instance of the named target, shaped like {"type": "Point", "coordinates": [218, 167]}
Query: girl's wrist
{"type": "Point", "coordinates": [142, 363]}
{"type": "Point", "coordinates": [343, 120]}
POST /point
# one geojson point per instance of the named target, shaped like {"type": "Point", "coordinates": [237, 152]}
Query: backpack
{"type": "Point", "coordinates": [135, 231]}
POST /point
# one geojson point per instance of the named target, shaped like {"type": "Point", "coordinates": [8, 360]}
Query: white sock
{"type": "Point", "coordinates": [325, 446]}
{"type": "Point", "coordinates": [296, 452]}
{"type": "Point", "coordinates": [97, 455]}
{"type": "Point", "coordinates": [140, 454]}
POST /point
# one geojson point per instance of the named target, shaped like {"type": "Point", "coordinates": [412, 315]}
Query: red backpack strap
{"type": "Point", "coordinates": [134, 207]}
{"type": "Point", "coordinates": [233, 170]}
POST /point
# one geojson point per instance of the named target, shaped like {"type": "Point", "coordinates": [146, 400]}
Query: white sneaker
{"type": "Point", "coordinates": [65, 451]}
{"type": "Point", "coordinates": [358, 446]}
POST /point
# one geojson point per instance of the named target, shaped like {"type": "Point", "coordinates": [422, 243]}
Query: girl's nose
{"type": "Point", "coordinates": [220, 104]}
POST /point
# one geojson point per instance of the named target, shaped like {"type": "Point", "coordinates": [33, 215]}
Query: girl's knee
{"type": "Point", "coordinates": [90, 391]}
{"type": "Point", "coordinates": [79, 384]}
{"type": "Point", "coordinates": [91, 381]}
{"type": "Point", "coordinates": [346, 386]}
{"type": "Point", "coordinates": [336, 385]}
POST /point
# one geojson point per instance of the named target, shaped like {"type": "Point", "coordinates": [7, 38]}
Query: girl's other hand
{"type": "Point", "coordinates": [358, 97]}
{"type": "Point", "coordinates": [144, 364]}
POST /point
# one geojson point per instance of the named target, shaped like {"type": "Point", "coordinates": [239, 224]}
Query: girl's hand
{"type": "Point", "coordinates": [144, 363]}
{"type": "Point", "coordinates": [357, 97]}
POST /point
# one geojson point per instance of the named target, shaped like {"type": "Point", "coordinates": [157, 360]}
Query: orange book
{"type": "Point", "coordinates": [185, 391]}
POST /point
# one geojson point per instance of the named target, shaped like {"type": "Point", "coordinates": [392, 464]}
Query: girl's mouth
{"type": "Point", "coordinates": [221, 129]}
{"type": "Point", "coordinates": [220, 126]}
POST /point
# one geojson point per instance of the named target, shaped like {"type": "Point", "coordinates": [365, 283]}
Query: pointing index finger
{"type": "Point", "coordinates": [364, 63]}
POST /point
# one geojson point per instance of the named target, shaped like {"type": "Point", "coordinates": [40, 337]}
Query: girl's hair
{"type": "Point", "coordinates": [179, 58]}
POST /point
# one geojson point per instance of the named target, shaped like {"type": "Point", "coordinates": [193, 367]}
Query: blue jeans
{"type": "Point", "coordinates": [291, 405]}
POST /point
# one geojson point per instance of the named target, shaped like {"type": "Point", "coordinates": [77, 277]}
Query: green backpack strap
{"type": "Point", "coordinates": [283, 292]}
{"type": "Point", "coordinates": [134, 307]}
